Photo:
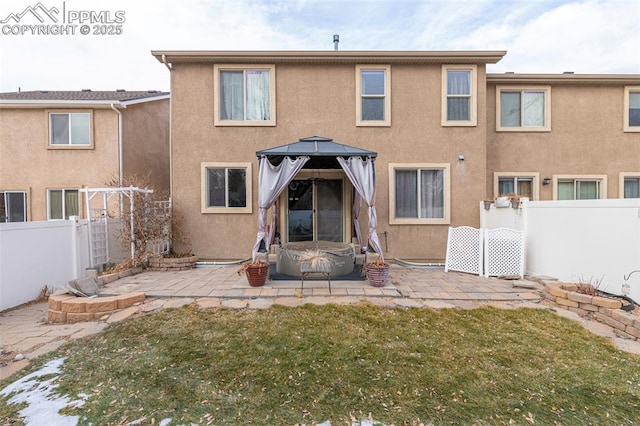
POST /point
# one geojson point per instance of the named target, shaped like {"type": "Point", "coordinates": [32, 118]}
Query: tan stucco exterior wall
{"type": "Point", "coordinates": [28, 164]}
{"type": "Point", "coordinates": [145, 132]}
{"type": "Point", "coordinates": [586, 138]}
{"type": "Point", "coordinates": [320, 100]}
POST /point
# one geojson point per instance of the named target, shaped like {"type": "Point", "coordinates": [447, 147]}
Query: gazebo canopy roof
{"type": "Point", "coordinates": [322, 152]}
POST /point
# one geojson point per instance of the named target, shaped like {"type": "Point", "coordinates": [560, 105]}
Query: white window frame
{"type": "Point", "coordinates": [24, 205]}
{"type": "Point", "coordinates": [64, 207]}
{"type": "Point", "coordinates": [51, 145]}
{"type": "Point", "coordinates": [602, 183]}
{"type": "Point", "coordinates": [623, 177]}
{"type": "Point", "coordinates": [473, 96]}
{"type": "Point", "coordinates": [387, 96]}
{"type": "Point", "coordinates": [245, 67]}
{"type": "Point", "coordinates": [523, 89]}
{"type": "Point", "coordinates": [205, 208]}
{"type": "Point", "coordinates": [534, 176]}
{"type": "Point", "coordinates": [446, 220]}
{"type": "Point", "coordinates": [627, 91]}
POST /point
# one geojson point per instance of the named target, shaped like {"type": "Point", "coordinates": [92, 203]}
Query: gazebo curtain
{"type": "Point", "coordinates": [361, 173]}
{"type": "Point", "coordinates": [272, 180]}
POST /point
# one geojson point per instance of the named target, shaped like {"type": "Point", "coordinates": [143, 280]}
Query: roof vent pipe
{"type": "Point", "coordinates": [336, 40]}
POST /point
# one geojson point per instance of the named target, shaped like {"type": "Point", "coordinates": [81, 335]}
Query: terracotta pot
{"type": "Point", "coordinates": [257, 274]}
{"type": "Point", "coordinates": [377, 275]}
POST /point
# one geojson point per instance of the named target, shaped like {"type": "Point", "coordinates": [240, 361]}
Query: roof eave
{"type": "Point", "coordinates": [565, 78]}
{"type": "Point", "coordinates": [326, 56]}
{"type": "Point", "coordinates": [65, 103]}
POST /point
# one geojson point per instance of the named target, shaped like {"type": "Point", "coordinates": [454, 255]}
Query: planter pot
{"type": "Point", "coordinates": [257, 274]}
{"type": "Point", "coordinates": [515, 203]}
{"type": "Point", "coordinates": [487, 204]}
{"type": "Point", "coordinates": [377, 275]}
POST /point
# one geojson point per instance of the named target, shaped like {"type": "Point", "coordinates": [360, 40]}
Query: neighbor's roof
{"type": "Point", "coordinates": [80, 97]}
{"type": "Point", "coordinates": [329, 57]}
{"type": "Point", "coordinates": [564, 78]}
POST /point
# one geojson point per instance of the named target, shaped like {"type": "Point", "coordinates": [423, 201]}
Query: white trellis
{"type": "Point", "coordinates": [464, 250]}
{"type": "Point", "coordinates": [488, 252]}
{"type": "Point", "coordinates": [98, 224]}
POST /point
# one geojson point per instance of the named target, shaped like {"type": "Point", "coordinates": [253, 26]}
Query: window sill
{"type": "Point", "coordinates": [72, 147]}
{"type": "Point", "coordinates": [524, 129]}
{"type": "Point", "coordinates": [226, 210]}
{"type": "Point", "coordinates": [241, 123]}
{"type": "Point", "coordinates": [459, 124]}
{"type": "Point", "coordinates": [414, 221]}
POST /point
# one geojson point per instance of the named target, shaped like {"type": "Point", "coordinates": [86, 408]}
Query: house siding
{"type": "Point", "coordinates": [320, 100]}
{"type": "Point", "coordinates": [586, 138]}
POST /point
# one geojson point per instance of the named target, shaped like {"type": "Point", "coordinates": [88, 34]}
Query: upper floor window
{"type": "Point", "coordinates": [226, 187]}
{"type": "Point", "coordinates": [525, 109]}
{"type": "Point", "coordinates": [632, 109]}
{"type": "Point", "coordinates": [63, 203]}
{"type": "Point", "coordinates": [70, 129]}
{"type": "Point", "coordinates": [459, 95]}
{"type": "Point", "coordinates": [420, 193]}
{"type": "Point", "coordinates": [373, 98]}
{"type": "Point", "coordinates": [13, 206]}
{"type": "Point", "coordinates": [580, 187]}
{"type": "Point", "coordinates": [245, 95]}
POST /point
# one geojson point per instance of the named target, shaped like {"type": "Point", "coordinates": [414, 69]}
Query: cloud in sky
{"type": "Point", "coordinates": [543, 36]}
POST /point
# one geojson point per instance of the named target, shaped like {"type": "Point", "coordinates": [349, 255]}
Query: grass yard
{"type": "Point", "coordinates": [310, 364]}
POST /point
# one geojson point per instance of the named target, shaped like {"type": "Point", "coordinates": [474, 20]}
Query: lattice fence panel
{"type": "Point", "coordinates": [99, 237]}
{"type": "Point", "coordinates": [504, 252]}
{"type": "Point", "coordinates": [464, 250]}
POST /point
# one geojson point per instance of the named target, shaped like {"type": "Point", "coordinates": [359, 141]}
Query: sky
{"type": "Point", "coordinates": [540, 36]}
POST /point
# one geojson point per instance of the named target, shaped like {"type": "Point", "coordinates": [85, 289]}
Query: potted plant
{"type": "Point", "coordinates": [377, 272]}
{"type": "Point", "coordinates": [256, 272]}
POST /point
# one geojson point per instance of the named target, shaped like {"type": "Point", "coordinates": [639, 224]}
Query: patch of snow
{"type": "Point", "coordinates": [42, 405]}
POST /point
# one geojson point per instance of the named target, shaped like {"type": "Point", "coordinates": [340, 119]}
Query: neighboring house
{"type": "Point", "coordinates": [429, 116]}
{"type": "Point", "coordinates": [53, 143]}
{"type": "Point", "coordinates": [563, 136]}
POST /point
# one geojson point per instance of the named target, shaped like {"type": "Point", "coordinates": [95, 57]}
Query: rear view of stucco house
{"type": "Point", "coordinates": [53, 143]}
{"type": "Point", "coordinates": [445, 135]}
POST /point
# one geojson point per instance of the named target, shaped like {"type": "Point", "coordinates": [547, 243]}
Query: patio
{"type": "Point", "coordinates": [419, 284]}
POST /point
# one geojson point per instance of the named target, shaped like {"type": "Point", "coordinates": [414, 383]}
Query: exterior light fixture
{"type": "Point", "coordinates": [460, 157]}
{"type": "Point", "coordinates": [546, 181]}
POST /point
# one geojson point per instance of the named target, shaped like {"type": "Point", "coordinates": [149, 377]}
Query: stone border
{"type": "Point", "coordinates": [109, 278]}
{"type": "Point", "coordinates": [67, 308]}
{"type": "Point", "coordinates": [172, 263]}
{"type": "Point", "coordinates": [602, 309]}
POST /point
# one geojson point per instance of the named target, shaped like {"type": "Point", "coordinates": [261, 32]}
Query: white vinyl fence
{"type": "Point", "coordinates": [596, 241]}
{"type": "Point", "coordinates": [38, 254]}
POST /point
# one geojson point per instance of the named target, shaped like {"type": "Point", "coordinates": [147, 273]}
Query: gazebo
{"type": "Point", "coordinates": [279, 165]}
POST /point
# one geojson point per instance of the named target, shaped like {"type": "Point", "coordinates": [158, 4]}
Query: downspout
{"type": "Point", "coordinates": [120, 153]}
{"type": "Point", "coordinates": [120, 150]}
{"type": "Point", "coordinates": [168, 65]}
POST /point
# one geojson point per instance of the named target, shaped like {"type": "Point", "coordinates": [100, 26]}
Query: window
{"type": "Point", "coordinates": [522, 184]}
{"type": "Point", "coordinates": [13, 206]}
{"type": "Point", "coordinates": [459, 95]}
{"type": "Point", "coordinates": [70, 129]}
{"type": "Point", "coordinates": [632, 109]}
{"type": "Point", "coordinates": [373, 99]}
{"type": "Point", "coordinates": [580, 187]}
{"type": "Point", "coordinates": [226, 188]}
{"type": "Point", "coordinates": [523, 109]}
{"type": "Point", "coordinates": [245, 95]}
{"type": "Point", "coordinates": [629, 185]}
{"type": "Point", "coordinates": [419, 193]}
{"type": "Point", "coordinates": [63, 203]}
